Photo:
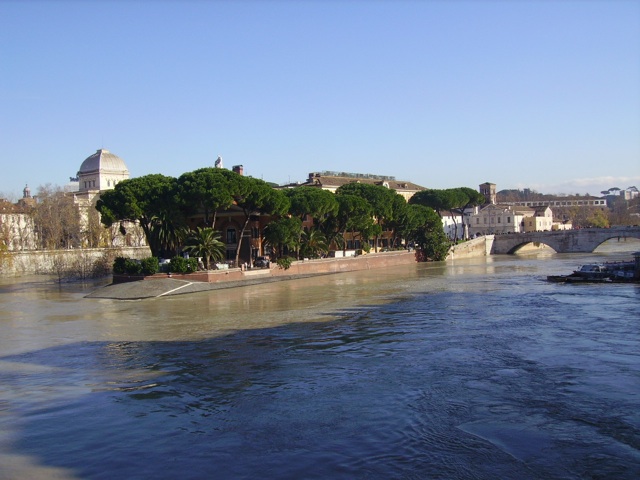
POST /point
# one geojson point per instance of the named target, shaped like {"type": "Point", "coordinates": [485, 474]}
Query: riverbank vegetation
{"type": "Point", "coordinates": [166, 208]}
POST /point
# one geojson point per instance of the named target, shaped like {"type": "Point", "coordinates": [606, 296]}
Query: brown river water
{"type": "Point", "coordinates": [467, 369]}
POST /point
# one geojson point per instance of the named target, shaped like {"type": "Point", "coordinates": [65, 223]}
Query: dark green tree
{"type": "Point", "coordinates": [317, 203]}
{"type": "Point", "coordinates": [451, 200]}
{"type": "Point", "coordinates": [438, 200]}
{"type": "Point", "coordinates": [283, 235]}
{"type": "Point", "coordinates": [413, 218]}
{"type": "Point", "coordinates": [431, 239]}
{"type": "Point", "coordinates": [381, 200]}
{"type": "Point", "coordinates": [206, 191]}
{"type": "Point", "coordinates": [354, 215]}
{"type": "Point", "coordinates": [398, 219]}
{"type": "Point", "coordinates": [256, 197]}
{"type": "Point", "coordinates": [168, 232]}
{"type": "Point", "coordinates": [146, 200]}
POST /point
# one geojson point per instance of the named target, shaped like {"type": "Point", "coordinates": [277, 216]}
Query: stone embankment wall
{"type": "Point", "coordinates": [298, 268]}
{"type": "Point", "coordinates": [49, 262]}
{"type": "Point", "coordinates": [476, 247]}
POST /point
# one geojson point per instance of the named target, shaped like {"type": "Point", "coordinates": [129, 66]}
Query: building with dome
{"type": "Point", "coordinates": [101, 171]}
{"type": "Point", "coordinates": [98, 172]}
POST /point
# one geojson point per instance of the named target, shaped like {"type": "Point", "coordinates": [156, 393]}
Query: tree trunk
{"type": "Point", "coordinates": [455, 225]}
{"type": "Point", "coordinates": [244, 226]}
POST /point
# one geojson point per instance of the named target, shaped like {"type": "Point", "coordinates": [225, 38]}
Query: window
{"type": "Point", "coordinates": [477, 221]}
{"type": "Point", "coordinates": [231, 235]}
{"type": "Point", "coordinates": [499, 220]}
{"type": "Point", "coordinates": [508, 219]}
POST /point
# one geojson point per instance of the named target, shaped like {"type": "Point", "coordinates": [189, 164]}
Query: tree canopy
{"type": "Point", "coordinates": [381, 200]}
{"type": "Point", "coordinates": [354, 215]}
{"type": "Point", "coordinates": [451, 200]}
{"type": "Point", "coordinates": [312, 201]}
{"type": "Point", "coordinates": [160, 205]}
{"type": "Point", "coordinates": [256, 197]}
{"type": "Point", "coordinates": [430, 236]}
{"type": "Point", "coordinates": [283, 235]}
{"type": "Point", "coordinates": [142, 199]}
{"type": "Point", "coordinates": [207, 190]}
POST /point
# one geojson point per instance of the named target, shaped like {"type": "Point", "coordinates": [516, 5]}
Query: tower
{"type": "Point", "coordinates": [489, 191]}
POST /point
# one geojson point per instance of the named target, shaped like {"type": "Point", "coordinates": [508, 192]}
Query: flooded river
{"type": "Point", "coordinates": [469, 369]}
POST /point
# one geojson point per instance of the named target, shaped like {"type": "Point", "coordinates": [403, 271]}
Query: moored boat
{"type": "Point", "coordinates": [625, 271]}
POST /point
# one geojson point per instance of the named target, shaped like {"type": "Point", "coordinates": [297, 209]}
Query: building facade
{"type": "Point", "coordinates": [331, 181]}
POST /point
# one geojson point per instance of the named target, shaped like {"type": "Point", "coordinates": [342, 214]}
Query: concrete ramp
{"type": "Point", "coordinates": [148, 289]}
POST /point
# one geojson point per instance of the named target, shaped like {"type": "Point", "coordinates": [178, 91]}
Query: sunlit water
{"type": "Point", "coordinates": [473, 369]}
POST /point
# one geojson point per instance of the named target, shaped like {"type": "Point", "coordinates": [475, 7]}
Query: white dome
{"type": "Point", "coordinates": [103, 160]}
{"type": "Point", "coordinates": [101, 171]}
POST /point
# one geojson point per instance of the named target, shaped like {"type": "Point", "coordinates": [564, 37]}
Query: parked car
{"type": "Point", "coordinates": [261, 262]}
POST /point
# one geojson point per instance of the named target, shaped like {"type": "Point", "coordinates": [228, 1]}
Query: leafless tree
{"type": "Point", "coordinates": [56, 219]}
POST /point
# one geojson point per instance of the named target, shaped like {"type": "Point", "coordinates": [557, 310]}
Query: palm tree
{"type": "Point", "coordinates": [205, 243]}
{"type": "Point", "coordinates": [166, 233]}
{"type": "Point", "coordinates": [314, 242]}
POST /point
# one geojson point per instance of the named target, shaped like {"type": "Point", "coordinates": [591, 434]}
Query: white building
{"type": "Point", "coordinates": [454, 226]}
{"type": "Point", "coordinates": [17, 231]}
{"type": "Point", "coordinates": [101, 171]}
{"type": "Point", "coordinates": [498, 219]}
{"type": "Point", "coordinates": [540, 221]}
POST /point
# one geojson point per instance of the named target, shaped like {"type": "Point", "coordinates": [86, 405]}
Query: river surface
{"type": "Point", "coordinates": [469, 369]}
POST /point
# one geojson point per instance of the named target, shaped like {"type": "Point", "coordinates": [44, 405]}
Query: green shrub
{"type": "Point", "coordinates": [192, 265]}
{"type": "Point", "coordinates": [183, 265]}
{"type": "Point", "coordinates": [150, 265]}
{"type": "Point", "coordinates": [119, 265]}
{"type": "Point", "coordinates": [133, 267]}
{"type": "Point", "coordinates": [128, 266]}
{"type": "Point", "coordinates": [284, 262]}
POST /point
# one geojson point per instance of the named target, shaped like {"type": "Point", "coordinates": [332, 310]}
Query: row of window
{"type": "Point", "coordinates": [92, 183]}
{"type": "Point", "coordinates": [492, 220]}
{"type": "Point", "coordinates": [89, 184]}
{"type": "Point", "coordinates": [563, 203]}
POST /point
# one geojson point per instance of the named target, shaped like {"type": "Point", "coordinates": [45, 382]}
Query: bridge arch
{"type": "Point", "coordinates": [619, 238]}
{"type": "Point", "coordinates": [584, 240]}
{"type": "Point", "coordinates": [514, 250]}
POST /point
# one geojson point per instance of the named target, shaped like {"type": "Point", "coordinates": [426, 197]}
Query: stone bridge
{"type": "Point", "coordinates": [584, 240]}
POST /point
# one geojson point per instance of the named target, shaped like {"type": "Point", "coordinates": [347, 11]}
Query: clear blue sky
{"type": "Point", "coordinates": [539, 94]}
